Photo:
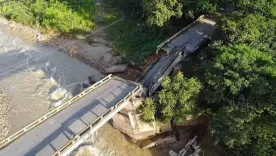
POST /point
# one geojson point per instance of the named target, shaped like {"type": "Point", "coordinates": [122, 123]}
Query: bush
{"type": "Point", "coordinates": [133, 41]}
{"type": "Point", "coordinates": [148, 110]}
{"type": "Point", "coordinates": [18, 12]}
{"type": "Point", "coordinates": [62, 16]}
{"type": "Point", "coordinates": [57, 17]}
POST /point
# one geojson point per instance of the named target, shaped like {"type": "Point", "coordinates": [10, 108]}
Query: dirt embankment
{"type": "Point", "coordinates": [93, 50]}
{"type": "Point", "coordinates": [5, 115]}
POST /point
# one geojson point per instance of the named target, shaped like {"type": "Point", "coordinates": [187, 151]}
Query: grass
{"type": "Point", "coordinates": [111, 13]}
{"type": "Point", "coordinates": [130, 39]}
{"type": "Point", "coordinates": [134, 41]}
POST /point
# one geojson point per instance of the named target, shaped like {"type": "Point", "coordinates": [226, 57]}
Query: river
{"type": "Point", "coordinates": [37, 77]}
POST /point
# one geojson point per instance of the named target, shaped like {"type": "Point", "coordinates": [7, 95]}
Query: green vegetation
{"type": "Point", "coordinates": [234, 80]}
{"type": "Point", "coordinates": [148, 110]}
{"type": "Point", "coordinates": [237, 72]}
{"type": "Point", "coordinates": [61, 16]}
{"type": "Point", "coordinates": [177, 100]}
{"type": "Point", "coordinates": [134, 41]}
{"type": "Point", "coordinates": [132, 38]}
{"type": "Point", "coordinates": [239, 82]}
{"type": "Point", "coordinates": [178, 97]}
{"type": "Point", "coordinates": [112, 12]}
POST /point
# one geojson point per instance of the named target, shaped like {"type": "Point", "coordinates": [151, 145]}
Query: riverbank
{"type": "Point", "coordinates": [36, 75]}
{"type": "Point", "coordinates": [96, 53]}
{"type": "Point", "coordinates": [41, 81]}
{"type": "Point", "coordinates": [109, 141]}
{"type": "Point", "coordinates": [5, 115]}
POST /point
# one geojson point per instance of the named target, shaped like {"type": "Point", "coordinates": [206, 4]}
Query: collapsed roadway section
{"type": "Point", "coordinates": [186, 41]}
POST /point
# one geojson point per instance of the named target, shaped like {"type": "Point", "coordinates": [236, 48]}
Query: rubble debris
{"type": "Point", "coordinates": [119, 68]}
{"type": "Point", "coordinates": [190, 149]}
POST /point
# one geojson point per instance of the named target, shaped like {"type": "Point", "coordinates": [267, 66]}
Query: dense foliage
{"type": "Point", "coordinates": [147, 110]}
{"type": "Point", "coordinates": [178, 97]}
{"type": "Point", "coordinates": [159, 11]}
{"type": "Point", "coordinates": [61, 16]}
{"type": "Point", "coordinates": [176, 100]}
{"type": "Point", "coordinates": [240, 82]}
{"type": "Point", "coordinates": [238, 73]}
{"type": "Point", "coordinates": [236, 76]}
{"type": "Point", "coordinates": [134, 41]}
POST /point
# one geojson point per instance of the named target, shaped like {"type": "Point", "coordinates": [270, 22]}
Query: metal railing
{"type": "Point", "coordinates": [95, 124]}
{"type": "Point", "coordinates": [182, 30]}
{"type": "Point", "coordinates": [51, 113]}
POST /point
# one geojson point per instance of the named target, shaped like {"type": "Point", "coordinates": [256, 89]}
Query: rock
{"type": "Point", "coordinates": [116, 69]}
{"type": "Point", "coordinates": [58, 94]}
{"type": "Point", "coordinates": [91, 80]}
{"type": "Point", "coordinates": [39, 74]}
{"type": "Point", "coordinates": [53, 81]}
{"type": "Point", "coordinates": [147, 144]}
{"type": "Point", "coordinates": [84, 85]}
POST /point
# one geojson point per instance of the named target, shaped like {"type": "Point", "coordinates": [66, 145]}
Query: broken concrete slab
{"type": "Point", "coordinates": [119, 68]}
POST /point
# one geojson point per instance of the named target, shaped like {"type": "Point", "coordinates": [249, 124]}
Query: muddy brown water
{"type": "Point", "coordinates": [38, 77]}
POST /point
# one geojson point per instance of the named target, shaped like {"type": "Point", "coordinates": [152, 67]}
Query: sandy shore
{"type": "Point", "coordinates": [5, 115]}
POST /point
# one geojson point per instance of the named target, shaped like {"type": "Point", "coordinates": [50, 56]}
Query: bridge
{"type": "Point", "coordinates": [185, 42]}
{"type": "Point", "coordinates": [64, 128]}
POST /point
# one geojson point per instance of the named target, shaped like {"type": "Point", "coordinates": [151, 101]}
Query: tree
{"type": "Point", "coordinates": [178, 97]}
{"type": "Point", "coordinates": [239, 82]}
{"type": "Point", "coordinates": [157, 12]}
{"type": "Point", "coordinates": [148, 110]}
{"type": "Point", "coordinates": [252, 29]}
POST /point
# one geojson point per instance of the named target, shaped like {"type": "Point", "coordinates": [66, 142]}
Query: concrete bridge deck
{"type": "Point", "coordinates": [54, 133]}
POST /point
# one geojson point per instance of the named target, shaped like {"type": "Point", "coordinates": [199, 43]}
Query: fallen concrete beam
{"type": "Point", "coordinates": [119, 68]}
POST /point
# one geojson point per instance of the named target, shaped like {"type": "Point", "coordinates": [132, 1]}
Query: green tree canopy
{"type": "Point", "coordinates": [240, 82]}
{"type": "Point", "coordinates": [255, 30]}
{"type": "Point", "coordinates": [159, 11]}
{"type": "Point", "coordinates": [178, 97]}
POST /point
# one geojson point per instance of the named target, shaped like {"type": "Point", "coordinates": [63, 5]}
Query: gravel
{"type": "Point", "coordinates": [5, 115]}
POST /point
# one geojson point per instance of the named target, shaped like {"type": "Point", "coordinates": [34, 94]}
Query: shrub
{"type": "Point", "coordinates": [62, 16]}
{"type": "Point", "coordinates": [148, 110]}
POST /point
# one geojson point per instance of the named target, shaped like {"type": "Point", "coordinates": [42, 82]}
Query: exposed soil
{"type": "Point", "coordinates": [109, 141]}
{"type": "Point", "coordinates": [133, 72]}
{"type": "Point", "coordinates": [97, 53]}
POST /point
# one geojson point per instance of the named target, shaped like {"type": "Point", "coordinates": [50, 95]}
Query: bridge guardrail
{"type": "Point", "coordinates": [184, 29]}
{"type": "Point", "coordinates": [51, 113]}
{"type": "Point", "coordinates": [89, 127]}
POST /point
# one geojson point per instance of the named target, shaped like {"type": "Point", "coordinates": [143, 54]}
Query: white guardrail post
{"type": "Point", "coordinates": [51, 113]}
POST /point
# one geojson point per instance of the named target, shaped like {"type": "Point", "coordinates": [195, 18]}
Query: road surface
{"type": "Point", "coordinates": [192, 38]}
{"type": "Point", "coordinates": [54, 133]}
